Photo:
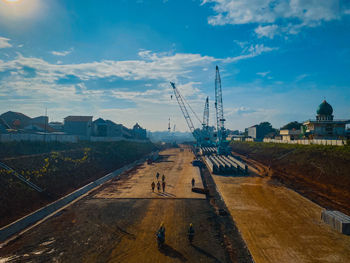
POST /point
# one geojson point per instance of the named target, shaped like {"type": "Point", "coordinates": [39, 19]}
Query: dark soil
{"type": "Point", "coordinates": [64, 174]}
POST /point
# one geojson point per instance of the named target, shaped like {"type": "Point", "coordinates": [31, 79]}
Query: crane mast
{"type": "Point", "coordinates": [220, 120]}
{"type": "Point", "coordinates": [206, 114]}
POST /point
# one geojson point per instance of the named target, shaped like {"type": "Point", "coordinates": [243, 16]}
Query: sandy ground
{"type": "Point", "coordinates": [117, 223]}
{"type": "Point", "coordinates": [178, 171]}
{"type": "Point", "coordinates": [278, 224]}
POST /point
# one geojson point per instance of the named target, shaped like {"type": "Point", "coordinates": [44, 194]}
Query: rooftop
{"type": "Point", "coordinates": [78, 118]}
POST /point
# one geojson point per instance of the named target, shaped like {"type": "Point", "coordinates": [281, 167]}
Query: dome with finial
{"type": "Point", "coordinates": [324, 112]}
{"type": "Point", "coordinates": [325, 109]}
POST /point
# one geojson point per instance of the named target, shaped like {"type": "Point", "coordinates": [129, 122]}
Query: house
{"type": "Point", "coordinates": [34, 128]}
{"type": "Point", "coordinates": [138, 132]}
{"type": "Point", "coordinates": [58, 126]}
{"type": "Point", "coordinates": [78, 125]}
{"type": "Point", "coordinates": [290, 135]}
{"type": "Point", "coordinates": [100, 127]}
{"type": "Point", "coordinates": [43, 120]}
{"type": "Point", "coordinates": [16, 120]}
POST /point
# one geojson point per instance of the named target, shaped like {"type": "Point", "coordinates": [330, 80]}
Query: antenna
{"type": "Point", "coordinates": [45, 124]}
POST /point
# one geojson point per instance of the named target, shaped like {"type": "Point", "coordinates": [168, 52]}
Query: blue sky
{"type": "Point", "coordinates": [278, 59]}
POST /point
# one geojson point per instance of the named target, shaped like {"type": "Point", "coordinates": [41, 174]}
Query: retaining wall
{"type": "Point", "coordinates": [307, 142]}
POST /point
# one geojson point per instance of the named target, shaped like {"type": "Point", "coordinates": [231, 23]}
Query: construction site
{"type": "Point", "coordinates": [240, 212]}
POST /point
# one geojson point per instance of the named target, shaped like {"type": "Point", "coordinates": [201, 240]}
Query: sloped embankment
{"type": "Point", "coordinates": [320, 173]}
{"type": "Point", "coordinates": [60, 172]}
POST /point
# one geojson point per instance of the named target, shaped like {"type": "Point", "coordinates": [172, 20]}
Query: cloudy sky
{"type": "Point", "coordinates": [114, 59]}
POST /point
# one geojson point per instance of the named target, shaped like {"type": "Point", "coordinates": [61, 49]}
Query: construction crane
{"type": "Point", "coordinates": [220, 120]}
{"type": "Point", "coordinates": [181, 101]}
{"type": "Point", "coordinates": [206, 114]}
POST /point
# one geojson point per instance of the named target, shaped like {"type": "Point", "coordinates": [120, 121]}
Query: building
{"type": "Point", "coordinates": [78, 125]}
{"type": "Point", "coordinates": [290, 135]}
{"type": "Point", "coordinates": [43, 120]}
{"type": "Point", "coordinates": [58, 126]}
{"type": "Point", "coordinates": [325, 126]}
{"type": "Point", "coordinates": [34, 128]}
{"type": "Point", "coordinates": [138, 132]}
{"type": "Point", "coordinates": [16, 120]}
{"type": "Point", "coordinates": [258, 132]}
{"type": "Point", "coordinates": [100, 127]}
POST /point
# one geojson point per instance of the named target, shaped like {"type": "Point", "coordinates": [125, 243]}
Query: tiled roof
{"type": "Point", "coordinates": [78, 118]}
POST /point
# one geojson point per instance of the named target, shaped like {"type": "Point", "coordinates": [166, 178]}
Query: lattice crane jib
{"type": "Point", "coordinates": [220, 120]}
{"type": "Point", "coordinates": [181, 103]}
{"type": "Point", "coordinates": [206, 114]}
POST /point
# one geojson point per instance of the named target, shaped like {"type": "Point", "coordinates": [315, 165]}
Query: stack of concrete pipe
{"type": "Point", "coordinates": [337, 220]}
{"type": "Point", "coordinates": [220, 164]}
{"type": "Point", "coordinates": [207, 150]}
{"type": "Point", "coordinates": [242, 166]}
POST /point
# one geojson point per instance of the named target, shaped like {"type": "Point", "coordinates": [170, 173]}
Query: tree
{"type": "Point", "coordinates": [266, 126]}
{"type": "Point", "coordinates": [292, 125]}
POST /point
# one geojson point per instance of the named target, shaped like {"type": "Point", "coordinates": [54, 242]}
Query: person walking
{"type": "Point", "coordinates": [158, 186]}
{"type": "Point", "coordinates": [163, 186]}
{"type": "Point", "coordinates": [163, 178]}
{"type": "Point", "coordinates": [157, 175]}
{"type": "Point", "coordinates": [160, 234]}
{"type": "Point", "coordinates": [193, 182]}
{"type": "Point", "coordinates": [153, 185]}
{"type": "Point", "coordinates": [190, 233]}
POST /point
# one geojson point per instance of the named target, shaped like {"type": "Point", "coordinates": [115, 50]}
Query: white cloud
{"type": "Point", "coordinates": [35, 80]}
{"type": "Point", "coordinates": [263, 74]}
{"type": "Point", "coordinates": [301, 77]}
{"type": "Point", "coordinates": [266, 31]}
{"type": "Point", "coordinates": [4, 42]}
{"type": "Point", "coordinates": [62, 53]}
{"type": "Point", "coordinates": [157, 66]}
{"type": "Point", "coordinates": [293, 14]}
{"type": "Point", "coordinates": [250, 52]}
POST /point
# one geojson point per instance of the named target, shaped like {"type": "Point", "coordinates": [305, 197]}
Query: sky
{"type": "Point", "coordinates": [278, 59]}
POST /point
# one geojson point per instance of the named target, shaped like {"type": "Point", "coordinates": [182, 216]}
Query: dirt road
{"type": "Point", "coordinates": [117, 223]}
{"type": "Point", "coordinates": [278, 224]}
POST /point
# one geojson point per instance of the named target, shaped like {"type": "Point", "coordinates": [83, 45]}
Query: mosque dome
{"type": "Point", "coordinates": [325, 109]}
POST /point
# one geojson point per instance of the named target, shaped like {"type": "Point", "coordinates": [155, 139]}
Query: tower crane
{"type": "Point", "coordinates": [220, 120]}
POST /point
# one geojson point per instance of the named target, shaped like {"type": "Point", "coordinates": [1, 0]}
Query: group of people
{"type": "Point", "coordinates": [153, 185]}
{"type": "Point", "coordinates": [160, 234]}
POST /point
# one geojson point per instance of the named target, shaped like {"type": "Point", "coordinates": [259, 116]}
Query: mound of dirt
{"type": "Point", "coordinates": [320, 173]}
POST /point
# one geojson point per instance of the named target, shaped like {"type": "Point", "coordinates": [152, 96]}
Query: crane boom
{"type": "Point", "coordinates": [220, 120]}
{"type": "Point", "coordinates": [206, 114]}
{"type": "Point", "coordinates": [181, 103]}
{"type": "Point", "coordinates": [218, 102]}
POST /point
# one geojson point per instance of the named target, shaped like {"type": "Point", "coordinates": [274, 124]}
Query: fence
{"type": "Point", "coordinates": [61, 138]}
{"type": "Point", "coordinates": [308, 142]}
{"type": "Point", "coordinates": [38, 137]}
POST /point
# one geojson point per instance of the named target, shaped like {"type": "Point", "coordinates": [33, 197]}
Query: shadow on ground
{"type": "Point", "coordinates": [171, 252]}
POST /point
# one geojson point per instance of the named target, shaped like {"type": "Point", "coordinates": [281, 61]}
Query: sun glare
{"type": "Point", "coordinates": [18, 9]}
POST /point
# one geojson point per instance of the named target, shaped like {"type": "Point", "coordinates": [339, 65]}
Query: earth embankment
{"type": "Point", "coordinates": [59, 169]}
{"type": "Point", "coordinates": [320, 173]}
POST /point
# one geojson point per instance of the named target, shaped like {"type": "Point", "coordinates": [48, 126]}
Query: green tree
{"type": "Point", "coordinates": [292, 125]}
